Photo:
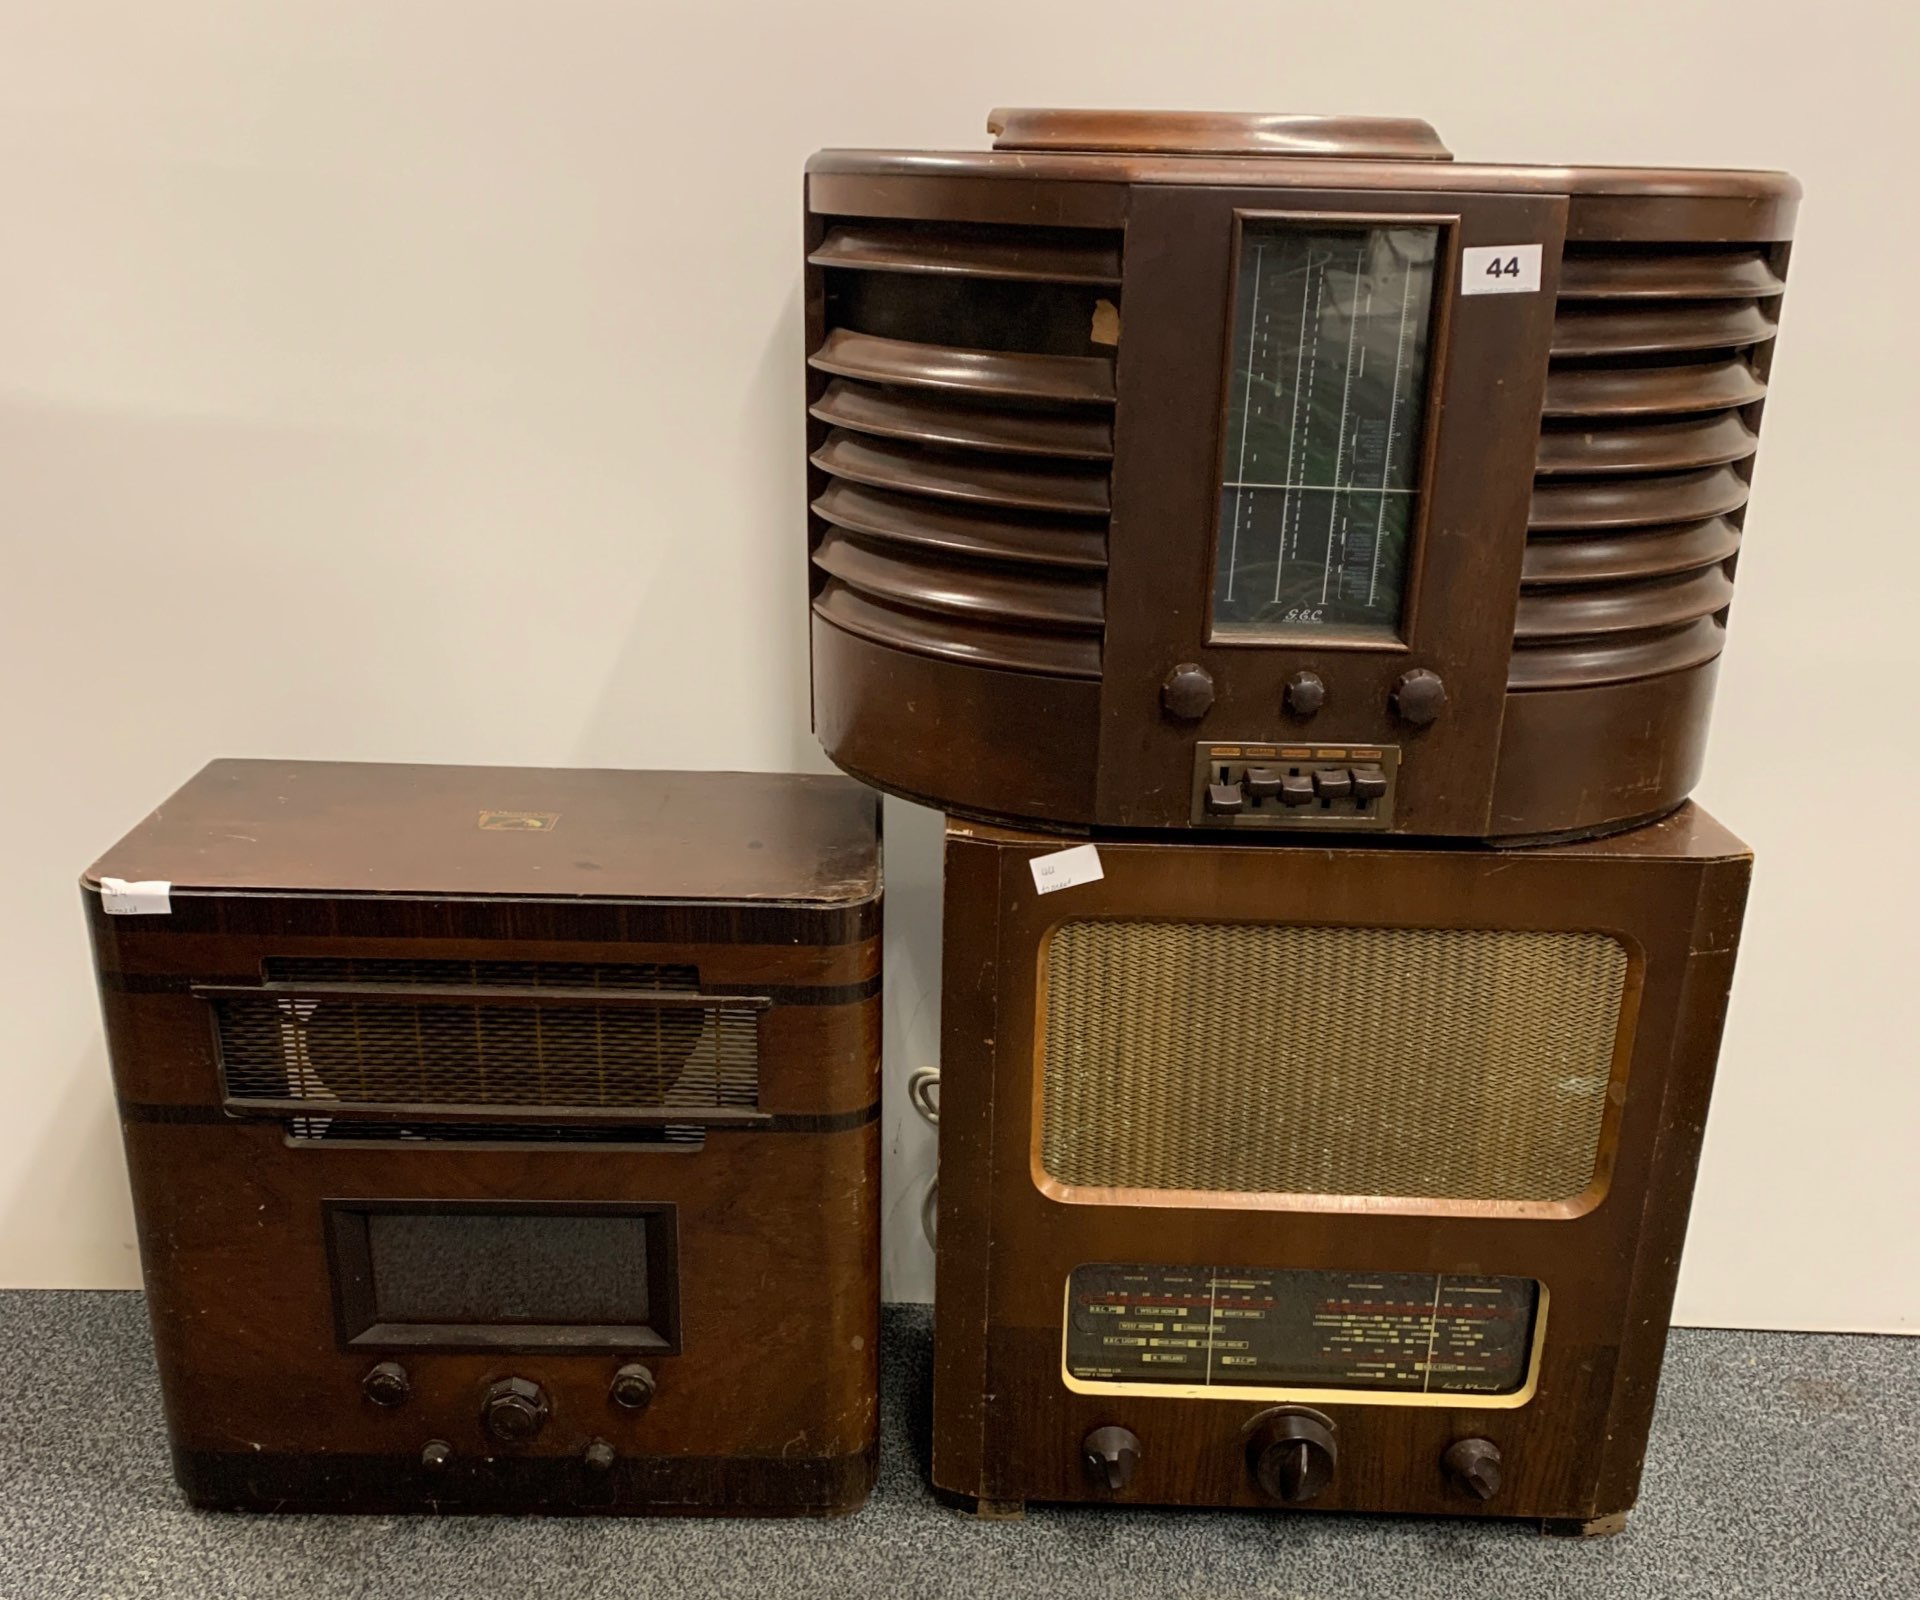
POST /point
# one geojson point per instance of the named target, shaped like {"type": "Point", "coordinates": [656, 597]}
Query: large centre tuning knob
{"type": "Point", "coordinates": [1292, 1453]}
{"type": "Point", "coordinates": [1306, 693]}
{"type": "Point", "coordinates": [1111, 1453]}
{"type": "Point", "coordinates": [514, 1410]}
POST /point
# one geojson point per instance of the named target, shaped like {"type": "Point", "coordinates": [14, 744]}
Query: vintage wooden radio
{"type": "Point", "coordinates": [504, 1139]}
{"type": "Point", "coordinates": [1278, 473]}
{"type": "Point", "coordinates": [1353, 1177]}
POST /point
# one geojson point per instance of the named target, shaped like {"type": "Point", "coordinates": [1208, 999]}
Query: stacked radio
{"type": "Point", "coordinates": [1282, 486]}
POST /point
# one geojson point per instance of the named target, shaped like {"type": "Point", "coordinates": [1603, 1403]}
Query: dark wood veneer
{"type": "Point", "coordinates": [1006, 1427]}
{"type": "Point", "coordinates": [768, 885]}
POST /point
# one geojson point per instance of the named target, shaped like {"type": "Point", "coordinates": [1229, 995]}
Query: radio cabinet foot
{"type": "Point", "coordinates": [1584, 1528]}
{"type": "Point", "coordinates": [997, 1510]}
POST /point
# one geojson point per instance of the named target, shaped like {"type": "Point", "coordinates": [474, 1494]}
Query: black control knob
{"type": "Point", "coordinates": [632, 1387]}
{"type": "Point", "coordinates": [598, 1456]}
{"type": "Point", "coordinates": [1306, 694]}
{"type": "Point", "coordinates": [435, 1455]}
{"type": "Point", "coordinates": [1474, 1464]}
{"type": "Point", "coordinates": [1419, 696]}
{"type": "Point", "coordinates": [387, 1384]}
{"type": "Point", "coordinates": [514, 1410]}
{"type": "Point", "coordinates": [1111, 1454]}
{"type": "Point", "coordinates": [1292, 1454]}
{"type": "Point", "coordinates": [1187, 692]}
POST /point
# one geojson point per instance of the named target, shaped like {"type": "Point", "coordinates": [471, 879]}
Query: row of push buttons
{"type": "Point", "coordinates": [1361, 784]}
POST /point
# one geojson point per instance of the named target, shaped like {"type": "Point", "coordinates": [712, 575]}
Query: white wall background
{"type": "Point", "coordinates": [419, 379]}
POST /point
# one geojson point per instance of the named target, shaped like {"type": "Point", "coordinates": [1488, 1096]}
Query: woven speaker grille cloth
{"type": "Point", "coordinates": [1437, 1063]}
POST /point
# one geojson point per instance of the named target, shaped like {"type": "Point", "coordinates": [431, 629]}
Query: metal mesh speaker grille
{"type": "Point", "coordinates": [480, 1053]}
{"type": "Point", "coordinates": [1418, 1063]}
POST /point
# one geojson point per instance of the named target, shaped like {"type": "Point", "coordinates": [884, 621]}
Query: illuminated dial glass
{"type": "Point", "coordinates": [1326, 401]}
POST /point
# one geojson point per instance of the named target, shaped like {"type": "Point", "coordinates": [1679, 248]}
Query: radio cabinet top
{"type": "Point", "coordinates": [358, 828]}
{"type": "Point", "coordinates": [1193, 470]}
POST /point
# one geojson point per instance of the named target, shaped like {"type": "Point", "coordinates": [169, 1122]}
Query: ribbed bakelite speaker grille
{"type": "Point", "coordinates": [1653, 397]}
{"type": "Point", "coordinates": [966, 388]}
{"type": "Point", "coordinates": [1395, 1062]}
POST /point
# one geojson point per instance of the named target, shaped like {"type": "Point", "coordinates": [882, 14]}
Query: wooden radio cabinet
{"type": "Point", "coordinates": [502, 1139]}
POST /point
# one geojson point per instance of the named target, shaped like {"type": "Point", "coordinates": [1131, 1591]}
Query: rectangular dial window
{"type": "Point", "coordinates": [487, 1275]}
{"type": "Point", "coordinates": [1326, 405]}
{"type": "Point", "coordinates": [1262, 1329]}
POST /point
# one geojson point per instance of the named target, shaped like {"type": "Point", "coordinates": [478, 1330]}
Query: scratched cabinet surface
{"type": "Point", "coordinates": [504, 1139]}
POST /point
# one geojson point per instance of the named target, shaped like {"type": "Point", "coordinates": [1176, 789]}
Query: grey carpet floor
{"type": "Point", "coordinates": [1782, 1465]}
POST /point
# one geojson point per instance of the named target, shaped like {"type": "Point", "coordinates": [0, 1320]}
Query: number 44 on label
{"type": "Point", "coordinates": [1500, 269]}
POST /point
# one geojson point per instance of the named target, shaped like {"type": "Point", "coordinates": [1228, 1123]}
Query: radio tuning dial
{"type": "Point", "coordinates": [1187, 692]}
{"type": "Point", "coordinates": [1306, 694]}
{"type": "Point", "coordinates": [1293, 1454]}
{"type": "Point", "coordinates": [1474, 1464]}
{"type": "Point", "coordinates": [514, 1410]}
{"type": "Point", "coordinates": [1111, 1454]}
{"type": "Point", "coordinates": [1419, 696]}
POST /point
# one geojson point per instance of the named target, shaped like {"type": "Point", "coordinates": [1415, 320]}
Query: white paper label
{"type": "Point", "coordinates": [1500, 269]}
{"type": "Point", "coordinates": [1064, 868]}
{"type": "Point", "coordinates": [145, 899]}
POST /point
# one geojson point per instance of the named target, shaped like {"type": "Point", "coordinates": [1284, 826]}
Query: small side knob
{"type": "Point", "coordinates": [1111, 1454]}
{"type": "Point", "coordinates": [1293, 1454]}
{"type": "Point", "coordinates": [598, 1456]}
{"type": "Point", "coordinates": [1187, 692]}
{"type": "Point", "coordinates": [632, 1387]}
{"type": "Point", "coordinates": [514, 1410]}
{"type": "Point", "coordinates": [1306, 694]}
{"type": "Point", "coordinates": [435, 1455]}
{"type": "Point", "coordinates": [387, 1384]}
{"type": "Point", "coordinates": [1419, 696]}
{"type": "Point", "coordinates": [1475, 1465]}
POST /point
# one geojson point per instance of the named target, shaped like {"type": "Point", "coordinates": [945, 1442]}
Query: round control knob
{"type": "Point", "coordinates": [1306, 694]}
{"type": "Point", "coordinates": [387, 1384]}
{"type": "Point", "coordinates": [1475, 1466]}
{"type": "Point", "coordinates": [1111, 1454]}
{"type": "Point", "coordinates": [435, 1455]}
{"type": "Point", "coordinates": [632, 1387]}
{"type": "Point", "coordinates": [1293, 1454]}
{"type": "Point", "coordinates": [598, 1456]}
{"type": "Point", "coordinates": [514, 1410]}
{"type": "Point", "coordinates": [1419, 696]}
{"type": "Point", "coordinates": [1187, 692]}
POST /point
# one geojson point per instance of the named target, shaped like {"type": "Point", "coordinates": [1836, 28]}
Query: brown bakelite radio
{"type": "Point", "coordinates": [1352, 1177]}
{"type": "Point", "coordinates": [504, 1140]}
{"type": "Point", "coordinates": [1278, 473]}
